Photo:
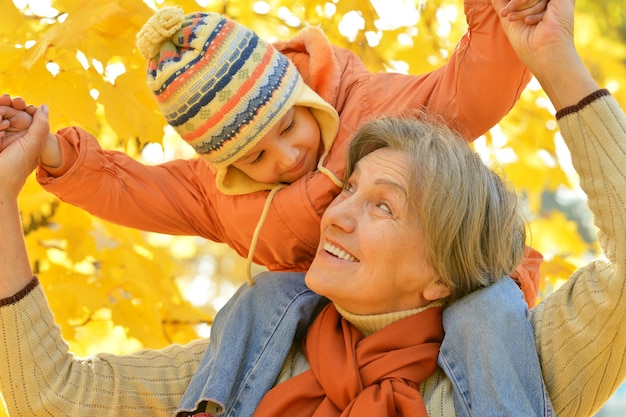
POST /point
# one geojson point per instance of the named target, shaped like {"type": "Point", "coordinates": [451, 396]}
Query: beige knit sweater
{"type": "Point", "coordinates": [580, 331]}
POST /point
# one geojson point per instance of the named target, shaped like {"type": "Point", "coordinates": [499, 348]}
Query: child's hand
{"type": "Point", "coordinates": [13, 120]}
{"type": "Point", "coordinates": [529, 11]}
{"type": "Point", "coordinates": [18, 103]}
{"type": "Point", "coordinates": [16, 117]}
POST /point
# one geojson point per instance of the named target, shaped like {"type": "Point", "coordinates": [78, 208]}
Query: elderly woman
{"type": "Point", "coordinates": [378, 266]}
{"type": "Point", "coordinates": [383, 257]}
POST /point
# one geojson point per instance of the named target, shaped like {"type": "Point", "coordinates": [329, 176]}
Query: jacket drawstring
{"type": "Point", "coordinates": [266, 208]}
{"type": "Point", "coordinates": [257, 230]}
{"type": "Point", "coordinates": [331, 175]}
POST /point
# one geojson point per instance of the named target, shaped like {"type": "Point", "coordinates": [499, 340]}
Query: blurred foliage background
{"type": "Point", "coordinates": [118, 290]}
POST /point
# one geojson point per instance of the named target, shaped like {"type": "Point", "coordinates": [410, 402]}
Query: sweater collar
{"type": "Point", "coordinates": [371, 323]}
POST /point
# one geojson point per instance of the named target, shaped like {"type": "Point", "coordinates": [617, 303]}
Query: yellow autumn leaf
{"type": "Point", "coordinates": [554, 234]}
{"type": "Point", "coordinates": [11, 22]}
{"type": "Point", "coordinates": [100, 334]}
{"type": "Point", "coordinates": [66, 94]}
{"type": "Point", "coordinates": [127, 108]}
{"type": "Point", "coordinates": [80, 19]}
{"type": "Point", "coordinates": [553, 273]}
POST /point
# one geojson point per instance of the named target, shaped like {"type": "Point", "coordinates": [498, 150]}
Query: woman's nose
{"type": "Point", "coordinates": [343, 213]}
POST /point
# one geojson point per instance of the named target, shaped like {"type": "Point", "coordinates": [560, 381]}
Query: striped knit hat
{"type": "Point", "coordinates": [222, 88]}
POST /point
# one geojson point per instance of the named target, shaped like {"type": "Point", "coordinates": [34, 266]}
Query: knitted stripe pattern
{"type": "Point", "coordinates": [220, 86]}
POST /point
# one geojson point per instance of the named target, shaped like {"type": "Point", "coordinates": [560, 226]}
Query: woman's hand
{"type": "Point", "coordinates": [528, 11]}
{"type": "Point", "coordinates": [548, 50]}
{"type": "Point", "coordinates": [18, 158]}
{"type": "Point", "coordinates": [535, 44]}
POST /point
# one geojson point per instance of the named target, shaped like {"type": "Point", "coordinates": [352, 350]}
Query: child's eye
{"type": "Point", "coordinates": [258, 158]}
{"type": "Point", "coordinates": [289, 127]}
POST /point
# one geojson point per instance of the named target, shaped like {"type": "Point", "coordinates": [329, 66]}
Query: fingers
{"type": "Point", "coordinates": [4, 124]}
{"type": "Point", "coordinates": [40, 126]}
{"type": "Point", "coordinates": [17, 103]}
{"type": "Point", "coordinates": [34, 137]}
{"type": "Point", "coordinates": [534, 19]}
{"type": "Point", "coordinates": [30, 109]}
{"type": "Point", "coordinates": [521, 5]}
{"type": "Point", "coordinates": [14, 120]}
{"type": "Point", "coordinates": [529, 11]}
{"type": "Point", "coordinates": [5, 100]}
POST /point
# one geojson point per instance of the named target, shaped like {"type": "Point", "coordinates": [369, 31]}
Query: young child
{"type": "Point", "coordinates": [271, 124]}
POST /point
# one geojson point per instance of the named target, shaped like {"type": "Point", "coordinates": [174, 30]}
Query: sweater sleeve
{"type": "Point", "coordinates": [40, 377]}
{"type": "Point", "coordinates": [579, 329]}
{"type": "Point", "coordinates": [172, 198]}
{"type": "Point", "coordinates": [478, 86]}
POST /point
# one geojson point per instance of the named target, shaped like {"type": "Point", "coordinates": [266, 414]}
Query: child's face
{"type": "Point", "coordinates": [287, 152]}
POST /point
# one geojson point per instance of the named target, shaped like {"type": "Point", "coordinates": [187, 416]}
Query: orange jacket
{"type": "Point", "coordinates": [473, 91]}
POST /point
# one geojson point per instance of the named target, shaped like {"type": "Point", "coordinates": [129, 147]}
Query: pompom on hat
{"type": "Point", "coordinates": [222, 88]}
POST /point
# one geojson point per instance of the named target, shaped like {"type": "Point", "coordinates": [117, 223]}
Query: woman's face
{"type": "Point", "coordinates": [371, 258]}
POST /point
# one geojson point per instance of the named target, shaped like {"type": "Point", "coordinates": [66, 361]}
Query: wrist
{"type": "Point", "coordinates": [51, 154]}
{"type": "Point", "coordinates": [564, 78]}
{"type": "Point", "coordinates": [9, 191]}
{"type": "Point", "coordinates": [15, 271]}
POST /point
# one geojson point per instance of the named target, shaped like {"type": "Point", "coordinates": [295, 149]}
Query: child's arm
{"type": "Point", "coordinates": [476, 88]}
{"type": "Point", "coordinates": [125, 193]}
{"type": "Point", "coordinates": [111, 185]}
{"type": "Point", "coordinates": [176, 197]}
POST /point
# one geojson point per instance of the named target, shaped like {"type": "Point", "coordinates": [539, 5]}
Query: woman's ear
{"type": "Point", "coordinates": [436, 290]}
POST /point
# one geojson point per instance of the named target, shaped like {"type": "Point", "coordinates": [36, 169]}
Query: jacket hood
{"type": "Point", "coordinates": [313, 56]}
{"type": "Point", "coordinates": [232, 181]}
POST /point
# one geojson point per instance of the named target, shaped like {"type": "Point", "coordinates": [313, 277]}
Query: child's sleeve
{"type": "Point", "coordinates": [478, 86]}
{"type": "Point", "coordinates": [173, 198]}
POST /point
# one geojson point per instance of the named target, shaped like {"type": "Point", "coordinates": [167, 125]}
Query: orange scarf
{"type": "Point", "coordinates": [352, 375]}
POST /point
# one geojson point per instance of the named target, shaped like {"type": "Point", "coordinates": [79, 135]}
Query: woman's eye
{"type": "Point", "coordinates": [385, 207]}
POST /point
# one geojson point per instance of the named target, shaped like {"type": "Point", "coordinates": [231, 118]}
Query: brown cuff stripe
{"type": "Point", "coordinates": [582, 103]}
{"type": "Point", "coordinates": [20, 294]}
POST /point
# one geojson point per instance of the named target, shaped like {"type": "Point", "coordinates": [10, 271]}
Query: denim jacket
{"type": "Point", "coordinates": [489, 345]}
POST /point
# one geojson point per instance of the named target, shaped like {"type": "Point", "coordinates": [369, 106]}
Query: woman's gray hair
{"type": "Point", "coordinates": [472, 220]}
